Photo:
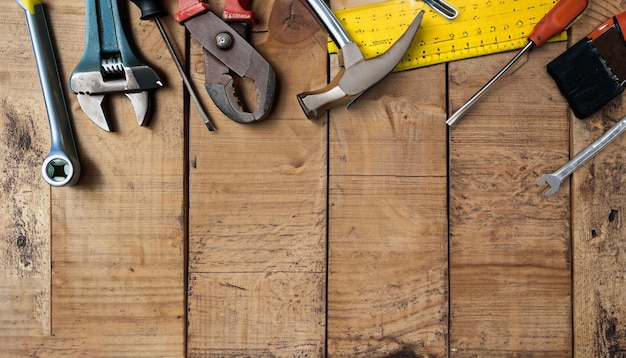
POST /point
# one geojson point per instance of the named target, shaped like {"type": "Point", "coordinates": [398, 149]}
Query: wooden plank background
{"type": "Point", "coordinates": [375, 231]}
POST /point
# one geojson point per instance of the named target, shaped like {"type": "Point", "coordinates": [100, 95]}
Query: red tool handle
{"type": "Point", "coordinates": [190, 8]}
{"type": "Point", "coordinates": [239, 10]}
{"type": "Point", "coordinates": [621, 21]}
{"type": "Point", "coordinates": [557, 20]}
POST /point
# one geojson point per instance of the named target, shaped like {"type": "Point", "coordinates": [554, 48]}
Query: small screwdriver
{"type": "Point", "coordinates": [555, 21]}
{"type": "Point", "coordinates": [150, 10]}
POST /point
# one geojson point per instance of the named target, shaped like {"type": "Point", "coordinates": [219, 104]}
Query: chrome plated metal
{"type": "Point", "coordinates": [446, 10]}
{"type": "Point", "coordinates": [555, 179]}
{"type": "Point", "coordinates": [61, 166]}
{"type": "Point", "coordinates": [464, 108]}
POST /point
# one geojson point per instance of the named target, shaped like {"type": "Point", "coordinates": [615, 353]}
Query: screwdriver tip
{"type": "Point", "coordinates": [454, 118]}
{"type": "Point", "coordinates": [210, 126]}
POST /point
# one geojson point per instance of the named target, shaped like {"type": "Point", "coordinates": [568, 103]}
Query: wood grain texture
{"type": "Point", "coordinates": [509, 247]}
{"type": "Point", "coordinates": [117, 238]}
{"type": "Point", "coordinates": [257, 250]}
{"type": "Point", "coordinates": [598, 232]}
{"type": "Point", "coordinates": [24, 195]}
{"type": "Point", "coordinates": [387, 276]}
{"type": "Point", "coordinates": [373, 232]}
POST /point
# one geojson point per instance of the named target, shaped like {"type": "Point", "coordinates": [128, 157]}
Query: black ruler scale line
{"type": "Point", "coordinates": [482, 27]}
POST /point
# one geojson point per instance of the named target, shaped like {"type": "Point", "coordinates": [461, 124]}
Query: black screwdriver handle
{"type": "Point", "coordinates": [150, 9]}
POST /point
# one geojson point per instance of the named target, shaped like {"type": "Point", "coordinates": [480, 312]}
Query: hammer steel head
{"type": "Point", "coordinates": [358, 74]}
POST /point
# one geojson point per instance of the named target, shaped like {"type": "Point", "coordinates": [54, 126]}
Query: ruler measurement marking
{"type": "Point", "coordinates": [481, 28]}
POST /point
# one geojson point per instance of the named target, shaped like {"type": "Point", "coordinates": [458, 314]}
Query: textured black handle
{"type": "Point", "coordinates": [149, 9]}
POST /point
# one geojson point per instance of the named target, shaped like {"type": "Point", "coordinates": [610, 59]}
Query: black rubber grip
{"type": "Point", "coordinates": [150, 9]}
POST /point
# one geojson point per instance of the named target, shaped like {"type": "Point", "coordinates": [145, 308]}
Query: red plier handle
{"type": "Point", "coordinates": [239, 10]}
{"type": "Point", "coordinates": [234, 10]}
{"type": "Point", "coordinates": [190, 8]}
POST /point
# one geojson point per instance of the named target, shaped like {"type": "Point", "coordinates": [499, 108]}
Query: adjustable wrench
{"type": "Point", "coordinates": [61, 167]}
{"type": "Point", "coordinates": [110, 65]}
{"type": "Point", "coordinates": [555, 179]}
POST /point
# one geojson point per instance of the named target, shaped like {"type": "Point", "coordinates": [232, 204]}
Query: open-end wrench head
{"type": "Point", "coordinates": [358, 74]}
{"type": "Point", "coordinates": [553, 181]}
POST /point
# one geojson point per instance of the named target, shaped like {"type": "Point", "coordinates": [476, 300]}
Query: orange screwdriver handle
{"type": "Point", "coordinates": [557, 20]}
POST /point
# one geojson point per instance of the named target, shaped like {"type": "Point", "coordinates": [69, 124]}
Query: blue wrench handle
{"type": "Point", "coordinates": [128, 55]}
{"type": "Point", "coordinates": [104, 36]}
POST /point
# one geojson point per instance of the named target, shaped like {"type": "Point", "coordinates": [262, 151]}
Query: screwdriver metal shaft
{"type": "Point", "coordinates": [186, 82]}
{"type": "Point", "coordinates": [555, 21]}
{"type": "Point", "coordinates": [151, 10]}
{"type": "Point", "coordinates": [464, 108]}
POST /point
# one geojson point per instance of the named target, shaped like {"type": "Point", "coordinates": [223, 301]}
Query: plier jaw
{"type": "Point", "coordinates": [228, 56]}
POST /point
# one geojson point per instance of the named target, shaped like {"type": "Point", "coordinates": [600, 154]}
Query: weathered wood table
{"type": "Point", "coordinates": [376, 231]}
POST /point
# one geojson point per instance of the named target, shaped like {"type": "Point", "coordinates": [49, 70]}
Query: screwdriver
{"type": "Point", "coordinates": [150, 10]}
{"type": "Point", "coordinates": [555, 21]}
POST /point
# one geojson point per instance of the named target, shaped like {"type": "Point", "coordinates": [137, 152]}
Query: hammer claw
{"type": "Point", "coordinates": [358, 74]}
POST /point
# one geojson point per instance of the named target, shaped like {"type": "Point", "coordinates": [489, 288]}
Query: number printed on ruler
{"type": "Point", "coordinates": [482, 27]}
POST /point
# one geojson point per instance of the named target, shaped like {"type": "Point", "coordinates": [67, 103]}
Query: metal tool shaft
{"type": "Point", "coordinates": [446, 10]}
{"type": "Point", "coordinates": [464, 108]}
{"type": "Point", "coordinates": [61, 167]}
{"type": "Point", "coordinates": [186, 82]}
{"type": "Point", "coordinates": [555, 179]}
{"type": "Point", "coordinates": [326, 16]}
{"type": "Point", "coordinates": [594, 148]}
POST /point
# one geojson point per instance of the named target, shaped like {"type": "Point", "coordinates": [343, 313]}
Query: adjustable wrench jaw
{"type": "Point", "coordinates": [135, 82]}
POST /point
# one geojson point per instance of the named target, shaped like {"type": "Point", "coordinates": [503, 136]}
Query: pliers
{"type": "Point", "coordinates": [109, 65]}
{"type": "Point", "coordinates": [228, 55]}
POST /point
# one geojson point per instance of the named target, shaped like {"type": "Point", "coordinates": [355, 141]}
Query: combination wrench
{"type": "Point", "coordinates": [61, 167]}
{"type": "Point", "coordinates": [555, 179]}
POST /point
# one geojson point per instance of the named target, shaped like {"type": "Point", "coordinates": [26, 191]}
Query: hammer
{"type": "Point", "coordinates": [357, 74]}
